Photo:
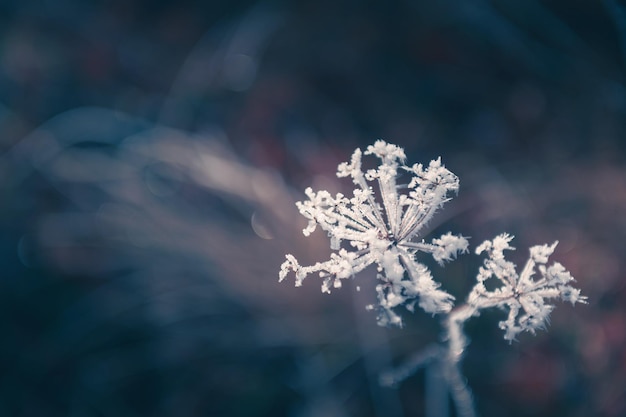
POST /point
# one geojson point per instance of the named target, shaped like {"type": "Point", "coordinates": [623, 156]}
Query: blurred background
{"type": "Point", "coordinates": [151, 153]}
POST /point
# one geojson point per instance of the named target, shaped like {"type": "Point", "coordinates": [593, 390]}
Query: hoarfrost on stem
{"type": "Point", "coordinates": [387, 235]}
{"type": "Point", "coordinates": [383, 234]}
{"type": "Point", "coordinates": [524, 297]}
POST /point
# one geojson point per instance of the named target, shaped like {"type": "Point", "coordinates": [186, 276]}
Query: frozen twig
{"type": "Point", "coordinates": [386, 235]}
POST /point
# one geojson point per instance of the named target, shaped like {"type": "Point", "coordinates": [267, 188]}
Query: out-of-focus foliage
{"type": "Point", "coordinates": [147, 155]}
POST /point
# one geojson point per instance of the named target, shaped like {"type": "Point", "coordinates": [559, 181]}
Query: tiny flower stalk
{"type": "Point", "coordinates": [384, 227]}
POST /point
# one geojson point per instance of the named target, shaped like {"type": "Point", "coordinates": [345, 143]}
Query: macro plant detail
{"type": "Point", "coordinates": [383, 227]}
{"type": "Point", "coordinates": [385, 234]}
{"type": "Point", "coordinates": [519, 293]}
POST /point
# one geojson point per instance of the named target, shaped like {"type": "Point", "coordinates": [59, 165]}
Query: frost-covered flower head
{"type": "Point", "coordinates": [383, 229]}
{"type": "Point", "coordinates": [524, 297]}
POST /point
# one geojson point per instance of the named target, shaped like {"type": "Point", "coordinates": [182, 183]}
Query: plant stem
{"type": "Point", "coordinates": [456, 341]}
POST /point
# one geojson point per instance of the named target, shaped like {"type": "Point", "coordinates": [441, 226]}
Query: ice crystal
{"type": "Point", "coordinates": [524, 297]}
{"type": "Point", "coordinates": [383, 234]}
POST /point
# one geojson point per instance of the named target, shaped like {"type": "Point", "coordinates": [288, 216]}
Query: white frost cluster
{"type": "Point", "coordinates": [382, 228]}
{"type": "Point", "coordinates": [524, 297]}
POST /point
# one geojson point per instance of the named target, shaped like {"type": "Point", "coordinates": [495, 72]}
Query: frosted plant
{"type": "Point", "coordinates": [385, 234]}
{"type": "Point", "coordinates": [521, 292]}
{"type": "Point", "coordinates": [524, 297]}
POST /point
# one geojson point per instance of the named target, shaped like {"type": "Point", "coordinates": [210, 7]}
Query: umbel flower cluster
{"type": "Point", "coordinates": [386, 235]}
{"type": "Point", "coordinates": [520, 294]}
{"type": "Point", "coordinates": [383, 226]}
